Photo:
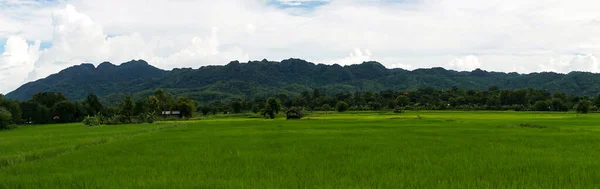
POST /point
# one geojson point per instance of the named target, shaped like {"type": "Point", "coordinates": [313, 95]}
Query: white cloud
{"type": "Point", "coordinates": [77, 38]}
{"type": "Point", "coordinates": [506, 35]}
{"type": "Point", "coordinates": [17, 60]}
{"type": "Point", "coordinates": [355, 57]}
{"type": "Point", "coordinates": [403, 66]}
{"type": "Point", "coordinates": [467, 63]}
{"type": "Point", "coordinates": [588, 62]}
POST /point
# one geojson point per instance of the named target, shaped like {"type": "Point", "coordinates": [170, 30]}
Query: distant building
{"type": "Point", "coordinates": [166, 113]}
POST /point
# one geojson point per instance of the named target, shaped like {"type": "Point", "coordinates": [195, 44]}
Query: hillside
{"type": "Point", "coordinates": [291, 76]}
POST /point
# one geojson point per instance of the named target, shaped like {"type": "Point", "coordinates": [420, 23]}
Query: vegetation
{"type": "Point", "coordinates": [583, 107]}
{"type": "Point", "coordinates": [5, 119]}
{"type": "Point", "coordinates": [341, 106]}
{"type": "Point", "coordinates": [292, 77]}
{"type": "Point", "coordinates": [50, 107]}
{"type": "Point", "coordinates": [272, 108]}
{"type": "Point", "coordinates": [341, 150]}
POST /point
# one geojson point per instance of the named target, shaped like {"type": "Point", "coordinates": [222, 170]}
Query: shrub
{"type": "Point", "coordinates": [91, 121]}
{"type": "Point", "coordinates": [398, 110]}
{"type": "Point", "coordinates": [326, 107]}
{"type": "Point", "coordinates": [5, 118]}
{"type": "Point", "coordinates": [341, 106]}
{"type": "Point", "coordinates": [583, 107]}
{"type": "Point", "coordinates": [540, 106]}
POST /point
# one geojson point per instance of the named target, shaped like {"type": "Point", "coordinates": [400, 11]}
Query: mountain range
{"type": "Point", "coordinates": [237, 80]}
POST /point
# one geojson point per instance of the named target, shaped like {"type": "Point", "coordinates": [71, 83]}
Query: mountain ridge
{"type": "Point", "coordinates": [290, 76]}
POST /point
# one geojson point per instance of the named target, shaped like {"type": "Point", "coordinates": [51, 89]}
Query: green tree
{"type": "Point", "coordinates": [48, 99]}
{"type": "Point", "coordinates": [162, 99]}
{"type": "Point", "coordinates": [597, 100]}
{"type": "Point", "coordinates": [402, 100]}
{"type": "Point", "coordinates": [14, 108]}
{"type": "Point", "coordinates": [583, 107]}
{"type": "Point", "coordinates": [541, 105]}
{"type": "Point", "coordinates": [326, 107]}
{"type": "Point", "coordinates": [140, 107]}
{"type": "Point", "coordinates": [5, 119]}
{"type": "Point", "coordinates": [93, 104]}
{"type": "Point", "coordinates": [185, 107]}
{"type": "Point", "coordinates": [341, 106]}
{"type": "Point", "coordinates": [34, 112]}
{"type": "Point", "coordinates": [126, 109]}
{"type": "Point", "coordinates": [272, 108]}
{"type": "Point", "coordinates": [558, 105]}
{"type": "Point", "coordinates": [204, 109]}
{"type": "Point", "coordinates": [65, 110]}
{"type": "Point", "coordinates": [153, 105]}
{"type": "Point", "coordinates": [236, 106]}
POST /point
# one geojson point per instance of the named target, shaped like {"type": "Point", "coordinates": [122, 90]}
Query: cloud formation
{"type": "Point", "coordinates": [16, 61]}
{"type": "Point", "coordinates": [77, 39]}
{"type": "Point", "coordinates": [467, 63]}
{"type": "Point", "coordinates": [505, 35]}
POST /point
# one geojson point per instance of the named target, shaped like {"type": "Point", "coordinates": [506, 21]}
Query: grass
{"type": "Point", "coordinates": [426, 149]}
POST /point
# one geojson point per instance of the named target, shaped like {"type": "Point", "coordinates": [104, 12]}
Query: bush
{"type": "Point", "coordinates": [583, 107]}
{"type": "Point", "coordinates": [341, 106]}
{"type": "Point", "coordinates": [5, 118]}
{"type": "Point", "coordinates": [326, 107]}
{"type": "Point", "coordinates": [91, 121]}
{"type": "Point", "coordinates": [540, 106]}
{"type": "Point", "coordinates": [398, 110]}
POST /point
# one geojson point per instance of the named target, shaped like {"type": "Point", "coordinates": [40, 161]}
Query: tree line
{"type": "Point", "coordinates": [419, 99]}
{"type": "Point", "coordinates": [52, 107]}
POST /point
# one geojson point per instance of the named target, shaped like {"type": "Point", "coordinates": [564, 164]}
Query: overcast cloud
{"type": "Point", "coordinates": [43, 37]}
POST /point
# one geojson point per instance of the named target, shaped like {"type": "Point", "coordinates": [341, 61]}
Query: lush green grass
{"type": "Point", "coordinates": [350, 150]}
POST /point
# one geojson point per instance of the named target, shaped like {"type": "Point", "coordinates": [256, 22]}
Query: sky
{"type": "Point", "coordinates": [42, 37]}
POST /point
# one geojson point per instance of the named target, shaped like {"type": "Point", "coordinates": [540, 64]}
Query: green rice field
{"type": "Point", "coordinates": [421, 149]}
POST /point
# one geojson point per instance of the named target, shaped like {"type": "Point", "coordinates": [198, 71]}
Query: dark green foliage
{"type": "Point", "coordinates": [326, 107]}
{"type": "Point", "coordinates": [163, 101]}
{"type": "Point", "coordinates": [13, 107]}
{"type": "Point", "coordinates": [93, 104]}
{"type": "Point", "coordinates": [36, 113]}
{"type": "Point", "coordinates": [557, 104]}
{"type": "Point", "coordinates": [66, 111]}
{"type": "Point", "coordinates": [48, 99]}
{"type": "Point", "coordinates": [152, 105]}
{"type": "Point", "coordinates": [583, 107]}
{"type": "Point", "coordinates": [5, 119]}
{"type": "Point", "coordinates": [140, 107]}
{"type": "Point", "coordinates": [185, 106]}
{"type": "Point", "coordinates": [402, 101]}
{"type": "Point", "coordinates": [272, 108]}
{"type": "Point", "coordinates": [297, 78]}
{"type": "Point", "coordinates": [341, 106]}
{"type": "Point", "coordinates": [540, 105]}
{"type": "Point", "coordinates": [205, 109]}
{"type": "Point", "coordinates": [236, 107]}
{"type": "Point", "coordinates": [78, 81]}
{"type": "Point", "coordinates": [126, 110]}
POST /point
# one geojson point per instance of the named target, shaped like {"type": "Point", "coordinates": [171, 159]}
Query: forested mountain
{"type": "Point", "coordinates": [292, 76]}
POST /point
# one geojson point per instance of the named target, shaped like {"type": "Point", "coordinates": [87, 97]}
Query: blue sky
{"type": "Point", "coordinates": [297, 4]}
{"type": "Point", "coordinates": [2, 41]}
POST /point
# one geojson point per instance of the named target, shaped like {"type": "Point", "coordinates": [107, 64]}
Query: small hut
{"type": "Point", "coordinates": [294, 114]}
